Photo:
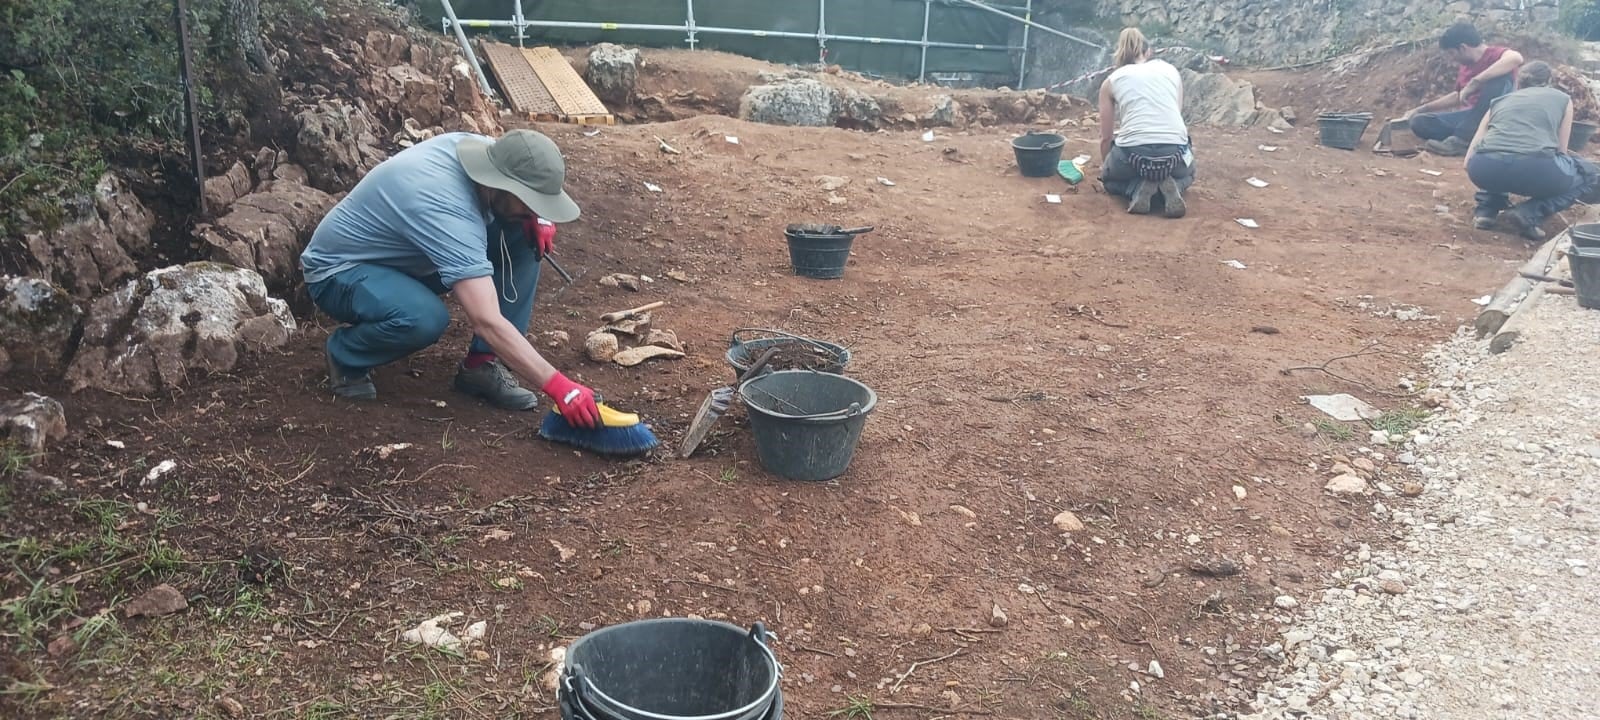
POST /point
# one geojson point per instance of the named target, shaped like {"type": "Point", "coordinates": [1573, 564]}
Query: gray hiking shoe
{"type": "Point", "coordinates": [350, 385]}
{"type": "Point", "coordinates": [496, 384]}
{"type": "Point", "coordinates": [1142, 195]}
{"type": "Point", "coordinates": [1525, 226]}
{"type": "Point", "coordinates": [1449, 147]}
{"type": "Point", "coordinates": [1173, 199]}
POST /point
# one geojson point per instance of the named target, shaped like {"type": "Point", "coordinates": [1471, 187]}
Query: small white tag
{"type": "Point", "coordinates": [1256, 182]}
{"type": "Point", "coordinates": [1274, 130]}
{"type": "Point", "coordinates": [1235, 264]}
{"type": "Point", "coordinates": [1081, 161]}
{"type": "Point", "coordinates": [1267, 148]}
{"type": "Point", "coordinates": [543, 221]}
{"type": "Point", "coordinates": [570, 396]}
{"type": "Point", "coordinates": [591, 133]}
{"type": "Point", "coordinates": [652, 187]}
{"type": "Point", "coordinates": [1434, 173]}
{"type": "Point", "coordinates": [731, 139]}
{"type": "Point", "coordinates": [1247, 222]}
{"type": "Point", "coordinates": [1052, 199]}
{"type": "Point", "coordinates": [927, 136]}
{"type": "Point", "coordinates": [886, 182]}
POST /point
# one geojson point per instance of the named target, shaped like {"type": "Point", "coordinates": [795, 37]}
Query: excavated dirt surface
{"type": "Point", "coordinates": [1030, 358]}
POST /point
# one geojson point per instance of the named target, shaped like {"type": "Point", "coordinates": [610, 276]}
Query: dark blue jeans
{"type": "Point", "coordinates": [1121, 178]}
{"type": "Point", "coordinates": [1460, 123]}
{"type": "Point", "coordinates": [1551, 183]}
{"type": "Point", "coordinates": [390, 314]}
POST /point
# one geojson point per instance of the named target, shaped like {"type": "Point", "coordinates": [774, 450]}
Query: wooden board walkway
{"type": "Point", "coordinates": [541, 85]}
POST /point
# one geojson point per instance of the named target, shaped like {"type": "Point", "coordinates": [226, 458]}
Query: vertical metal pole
{"type": "Point", "coordinates": [1022, 71]}
{"type": "Point", "coordinates": [690, 25]}
{"type": "Point", "coordinates": [466, 47]}
{"type": "Point", "coordinates": [822, 31]}
{"type": "Point", "coordinates": [180, 11]}
{"type": "Point", "coordinates": [922, 71]}
{"type": "Point", "coordinates": [516, 17]}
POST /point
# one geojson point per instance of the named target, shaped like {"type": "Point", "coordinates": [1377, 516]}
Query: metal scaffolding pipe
{"type": "Point", "coordinates": [522, 29]}
{"type": "Point", "coordinates": [1022, 67]}
{"type": "Point", "coordinates": [1030, 23]}
{"type": "Point", "coordinates": [466, 47]}
{"type": "Point", "coordinates": [690, 24]}
{"type": "Point", "coordinates": [922, 68]}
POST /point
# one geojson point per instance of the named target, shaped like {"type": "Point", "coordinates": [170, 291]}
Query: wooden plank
{"type": "Point", "coordinates": [1503, 303]}
{"type": "Point", "coordinates": [572, 95]}
{"type": "Point", "coordinates": [1512, 331]}
{"type": "Point", "coordinates": [523, 89]}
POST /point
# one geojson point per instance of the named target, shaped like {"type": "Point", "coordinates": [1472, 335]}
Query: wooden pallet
{"type": "Point", "coordinates": [542, 86]}
{"type": "Point", "coordinates": [523, 90]}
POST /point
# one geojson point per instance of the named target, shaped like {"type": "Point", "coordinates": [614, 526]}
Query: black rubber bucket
{"type": "Point", "coordinates": [1586, 235]}
{"type": "Point", "coordinates": [1038, 154]}
{"type": "Point", "coordinates": [806, 424]}
{"type": "Point", "coordinates": [820, 251]}
{"type": "Point", "coordinates": [672, 669]}
{"type": "Point", "coordinates": [1581, 132]}
{"type": "Point", "coordinates": [1585, 263]}
{"type": "Point", "coordinates": [1343, 130]}
{"type": "Point", "coordinates": [744, 350]}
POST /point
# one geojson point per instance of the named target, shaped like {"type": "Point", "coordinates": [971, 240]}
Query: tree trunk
{"type": "Point", "coordinates": [244, 19]}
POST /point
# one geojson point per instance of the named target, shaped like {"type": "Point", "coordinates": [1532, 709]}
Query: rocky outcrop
{"type": "Point", "coordinates": [1216, 99]}
{"type": "Point", "coordinates": [613, 72]}
{"type": "Point", "coordinates": [37, 321]}
{"type": "Point", "coordinates": [32, 422]}
{"type": "Point", "coordinates": [414, 82]}
{"type": "Point", "coordinates": [338, 144]}
{"type": "Point", "coordinates": [153, 331]}
{"type": "Point", "coordinates": [222, 190]}
{"type": "Point", "coordinates": [95, 250]}
{"type": "Point", "coordinates": [265, 231]}
{"type": "Point", "coordinates": [1285, 31]}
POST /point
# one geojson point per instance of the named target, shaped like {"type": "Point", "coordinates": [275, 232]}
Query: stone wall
{"type": "Point", "coordinates": [1268, 32]}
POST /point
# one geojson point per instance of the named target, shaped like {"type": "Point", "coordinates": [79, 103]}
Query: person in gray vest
{"type": "Point", "coordinates": [1144, 144]}
{"type": "Point", "coordinates": [1521, 149]}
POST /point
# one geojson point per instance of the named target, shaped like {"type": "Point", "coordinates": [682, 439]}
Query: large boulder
{"type": "Point", "coordinates": [614, 72]}
{"type": "Point", "coordinates": [265, 231]}
{"type": "Point", "coordinates": [94, 251]}
{"type": "Point", "coordinates": [32, 422]}
{"type": "Point", "coordinates": [338, 144]}
{"type": "Point", "coordinates": [858, 110]}
{"type": "Point", "coordinates": [1216, 99]}
{"type": "Point", "coordinates": [152, 332]}
{"type": "Point", "coordinates": [222, 190]}
{"type": "Point", "coordinates": [37, 320]}
{"type": "Point", "coordinates": [797, 101]}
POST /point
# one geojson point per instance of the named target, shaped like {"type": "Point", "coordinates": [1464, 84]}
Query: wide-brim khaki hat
{"type": "Point", "coordinates": [526, 164]}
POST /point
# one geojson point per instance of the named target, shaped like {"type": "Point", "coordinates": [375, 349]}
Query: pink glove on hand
{"type": "Point", "coordinates": [575, 402]}
{"type": "Point", "coordinates": [542, 232]}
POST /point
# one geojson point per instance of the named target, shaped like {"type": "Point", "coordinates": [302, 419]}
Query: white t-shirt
{"type": "Point", "coordinates": [1149, 97]}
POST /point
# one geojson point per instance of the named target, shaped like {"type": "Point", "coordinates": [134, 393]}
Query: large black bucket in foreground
{"type": "Point", "coordinates": [672, 669]}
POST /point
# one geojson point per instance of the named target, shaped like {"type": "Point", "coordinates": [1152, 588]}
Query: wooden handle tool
{"type": "Point", "coordinates": [621, 315]}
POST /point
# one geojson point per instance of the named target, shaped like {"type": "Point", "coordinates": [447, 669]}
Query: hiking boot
{"type": "Point", "coordinates": [1525, 226]}
{"type": "Point", "coordinates": [1449, 147]}
{"type": "Point", "coordinates": [1483, 222]}
{"type": "Point", "coordinates": [1175, 207]}
{"type": "Point", "coordinates": [348, 384]}
{"type": "Point", "coordinates": [1142, 195]}
{"type": "Point", "coordinates": [496, 384]}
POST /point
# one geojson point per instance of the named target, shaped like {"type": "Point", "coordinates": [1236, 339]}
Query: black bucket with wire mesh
{"type": "Point", "coordinates": [795, 352]}
{"type": "Point", "coordinates": [672, 669]}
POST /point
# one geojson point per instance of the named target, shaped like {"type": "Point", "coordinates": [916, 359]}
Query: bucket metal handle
{"type": "Point", "coordinates": [757, 633]}
{"type": "Point", "coordinates": [734, 341]}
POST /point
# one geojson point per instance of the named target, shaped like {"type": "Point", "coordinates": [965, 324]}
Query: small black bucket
{"type": "Point", "coordinates": [1581, 132]}
{"type": "Point", "coordinates": [672, 669]}
{"type": "Point", "coordinates": [818, 355]}
{"type": "Point", "coordinates": [807, 424]}
{"type": "Point", "coordinates": [1343, 130]}
{"type": "Point", "coordinates": [1586, 235]}
{"type": "Point", "coordinates": [820, 251]}
{"type": "Point", "coordinates": [1585, 262]}
{"type": "Point", "coordinates": [1038, 154]}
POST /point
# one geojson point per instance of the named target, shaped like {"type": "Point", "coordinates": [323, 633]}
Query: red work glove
{"type": "Point", "coordinates": [543, 234]}
{"type": "Point", "coordinates": [575, 402]}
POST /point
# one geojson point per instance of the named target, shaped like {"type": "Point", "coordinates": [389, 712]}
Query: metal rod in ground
{"type": "Point", "coordinates": [180, 11]}
{"type": "Point", "coordinates": [557, 267]}
{"type": "Point", "coordinates": [466, 47]}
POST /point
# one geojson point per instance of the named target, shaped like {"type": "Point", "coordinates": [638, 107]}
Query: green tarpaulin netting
{"type": "Point", "coordinates": [948, 21]}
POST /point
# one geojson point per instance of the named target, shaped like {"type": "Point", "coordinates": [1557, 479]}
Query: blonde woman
{"type": "Point", "coordinates": [1144, 145]}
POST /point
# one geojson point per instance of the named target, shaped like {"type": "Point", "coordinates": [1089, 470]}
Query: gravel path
{"type": "Point", "coordinates": [1487, 607]}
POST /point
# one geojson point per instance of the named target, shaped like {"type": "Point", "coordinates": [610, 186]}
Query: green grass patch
{"type": "Point", "coordinates": [1400, 422]}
